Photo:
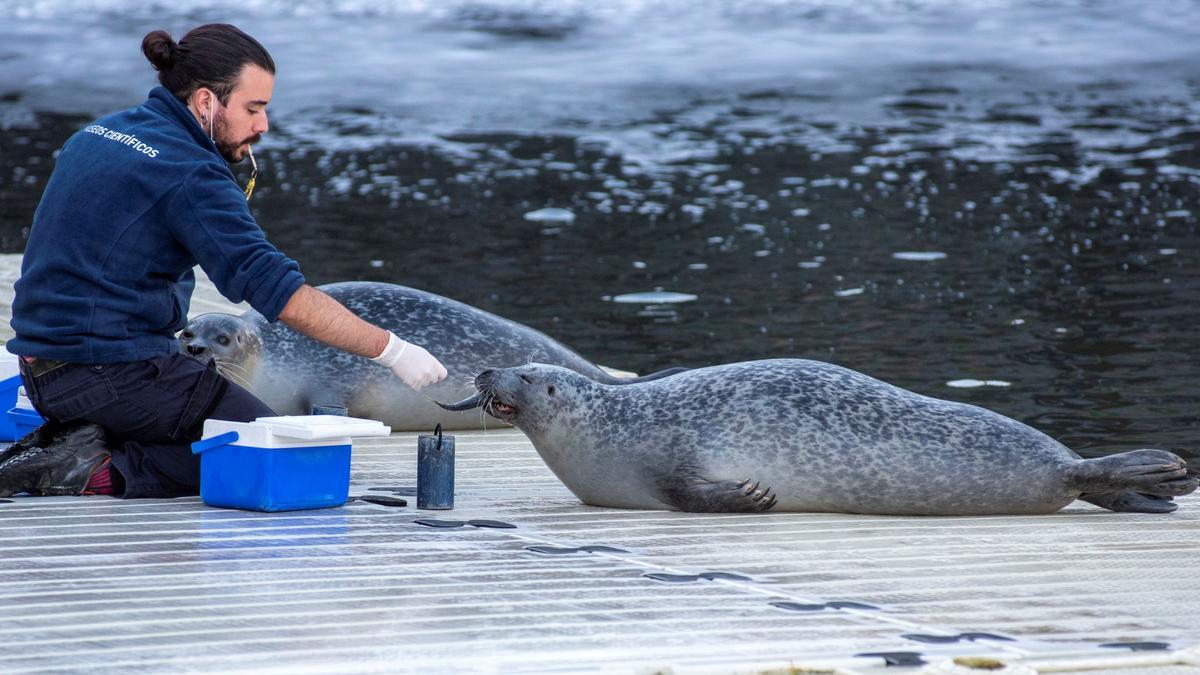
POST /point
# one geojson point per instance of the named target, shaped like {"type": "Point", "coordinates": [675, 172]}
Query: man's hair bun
{"type": "Point", "coordinates": [211, 56]}
{"type": "Point", "coordinates": [160, 49]}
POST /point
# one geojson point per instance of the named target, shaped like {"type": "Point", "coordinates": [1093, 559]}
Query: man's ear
{"type": "Point", "coordinates": [201, 99]}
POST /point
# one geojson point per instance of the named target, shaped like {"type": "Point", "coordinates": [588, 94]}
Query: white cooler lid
{"type": "Point", "coordinates": [23, 400]}
{"type": "Point", "coordinates": [291, 431]}
{"type": "Point", "coordinates": [321, 427]}
{"type": "Point", "coordinates": [8, 365]}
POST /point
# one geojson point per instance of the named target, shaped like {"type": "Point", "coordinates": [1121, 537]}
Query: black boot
{"type": "Point", "coordinates": [37, 438]}
{"type": "Point", "coordinates": [57, 459]}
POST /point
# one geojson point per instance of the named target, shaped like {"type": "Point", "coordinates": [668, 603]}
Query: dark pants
{"type": "Point", "coordinates": [152, 411]}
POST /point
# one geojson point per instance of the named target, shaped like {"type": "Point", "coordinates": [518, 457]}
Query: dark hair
{"type": "Point", "coordinates": [211, 56]}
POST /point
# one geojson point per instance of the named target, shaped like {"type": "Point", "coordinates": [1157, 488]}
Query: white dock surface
{"type": "Point", "coordinates": [98, 585]}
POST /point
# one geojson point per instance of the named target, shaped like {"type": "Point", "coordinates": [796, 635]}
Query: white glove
{"type": "Point", "coordinates": [411, 363]}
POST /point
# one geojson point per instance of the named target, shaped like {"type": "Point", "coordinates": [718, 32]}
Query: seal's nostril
{"type": "Point", "coordinates": [194, 350]}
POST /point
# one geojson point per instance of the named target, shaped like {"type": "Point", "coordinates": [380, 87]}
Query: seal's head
{"type": "Point", "coordinates": [528, 397]}
{"type": "Point", "coordinates": [232, 342]}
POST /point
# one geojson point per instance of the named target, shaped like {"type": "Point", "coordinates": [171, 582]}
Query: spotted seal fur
{"type": "Point", "coordinates": [291, 372]}
{"type": "Point", "coordinates": [798, 435]}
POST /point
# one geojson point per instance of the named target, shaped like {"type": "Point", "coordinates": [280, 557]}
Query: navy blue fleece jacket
{"type": "Point", "coordinates": [135, 201]}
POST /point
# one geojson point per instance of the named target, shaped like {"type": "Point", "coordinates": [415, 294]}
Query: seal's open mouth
{"type": "Point", "coordinates": [498, 409]}
{"type": "Point", "coordinates": [488, 400]}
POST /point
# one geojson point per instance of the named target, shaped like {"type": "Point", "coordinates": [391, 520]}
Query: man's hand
{"type": "Point", "coordinates": [415, 366]}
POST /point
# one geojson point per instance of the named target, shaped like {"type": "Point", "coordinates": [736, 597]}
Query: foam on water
{"type": "Point", "coordinates": [975, 77]}
{"type": "Point", "coordinates": [550, 215]}
{"type": "Point", "coordinates": [919, 256]}
{"type": "Point", "coordinates": [973, 384]}
{"type": "Point", "coordinates": [654, 298]}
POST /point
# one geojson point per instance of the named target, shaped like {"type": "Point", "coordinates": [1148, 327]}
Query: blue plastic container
{"type": "Point", "coordinates": [279, 463]}
{"type": "Point", "coordinates": [23, 421]}
{"type": "Point", "coordinates": [8, 400]}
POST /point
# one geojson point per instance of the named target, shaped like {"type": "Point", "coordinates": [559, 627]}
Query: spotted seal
{"type": "Point", "coordinates": [798, 435]}
{"type": "Point", "coordinates": [291, 372]}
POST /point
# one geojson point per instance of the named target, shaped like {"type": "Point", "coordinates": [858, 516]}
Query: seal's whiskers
{"type": "Point", "coordinates": [483, 412]}
{"type": "Point", "coordinates": [227, 372]}
{"type": "Point", "coordinates": [231, 366]}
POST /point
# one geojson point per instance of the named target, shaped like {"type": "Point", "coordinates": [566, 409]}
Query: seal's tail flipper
{"type": "Point", "coordinates": [1150, 472]}
{"type": "Point", "coordinates": [609, 379]}
{"type": "Point", "coordinates": [1131, 502]}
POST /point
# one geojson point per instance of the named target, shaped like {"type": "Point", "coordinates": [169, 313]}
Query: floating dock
{"type": "Point", "coordinates": [522, 578]}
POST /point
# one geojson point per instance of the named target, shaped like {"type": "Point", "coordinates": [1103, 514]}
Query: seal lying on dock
{"type": "Point", "coordinates": [796, 435]}
{"type": "Point", "coordinates": [291, 372]}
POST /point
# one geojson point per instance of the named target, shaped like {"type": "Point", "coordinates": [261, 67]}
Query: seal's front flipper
{"type": "Point", "coordinates": [1131, 502]}
{"type": "Point", "coordinates": [1153, 472]}
{"type": "Point", "coordinates": [689, 491]}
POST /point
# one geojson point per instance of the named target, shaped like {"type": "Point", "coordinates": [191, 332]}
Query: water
{"type": "Point", "coordinates": [992, 202]}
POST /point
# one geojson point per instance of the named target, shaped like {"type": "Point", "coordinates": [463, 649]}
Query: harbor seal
{"type": "Point", "coordinates": [798, 435]}
{"type": "Point", "coordinates": [291, 372]}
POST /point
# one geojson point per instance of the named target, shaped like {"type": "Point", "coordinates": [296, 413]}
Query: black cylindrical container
{"type": "Point", "coordinates": [328, 409]}
{"type": "Point", "coordinates": [435, 471]}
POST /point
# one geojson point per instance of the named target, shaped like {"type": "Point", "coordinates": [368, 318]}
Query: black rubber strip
{"type": "Point", "coordinates": [987, 636]}
{"type": "Point", "coordinates": [685, 578]}
{"type": "Point", "coordinates": [434, 522]}
{"type": "Point", "coordinates": [713, 576]}
{"type": "Point", "coordinates": [798, 607]}
{"type": "Point", "coordinates": [558, 550]}
{"type": "Point", "coordinates": [551, 550]}
{"type": "Point", "coordinates": [849, 604]}
{"type": "Point", "coordinates": [1139, 646]}
{"type": "Point", "coordinates": [382, 500]}
{"type": "Point", "coordinates": [951, 639]}
{"type": "Point", "coordinates": [835, 605]}
{"type": "Point", "coordinates": [498, 524]}
{"type": "Point", "coordinates": [672, 578]}
{"type": "Point", "coordinates": [897, 658]}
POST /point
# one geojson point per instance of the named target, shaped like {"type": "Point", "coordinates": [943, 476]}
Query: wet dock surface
{"type": "Point", "coordinates": [104, 585]}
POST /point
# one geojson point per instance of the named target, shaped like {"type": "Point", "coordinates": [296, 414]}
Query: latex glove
{"type": "Point", "coordinates": [415, 366]}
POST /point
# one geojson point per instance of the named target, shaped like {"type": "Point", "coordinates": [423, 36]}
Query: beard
{"type": "Point", "coordinates": [230, 148]}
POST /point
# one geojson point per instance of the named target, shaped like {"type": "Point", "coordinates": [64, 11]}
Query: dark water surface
{"type": "Point", "coordinates": [997, 207]}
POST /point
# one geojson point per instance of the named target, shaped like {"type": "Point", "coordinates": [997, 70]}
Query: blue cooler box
{"type": "Point", "coordinates": [22, 417]}
{"type": "Point", "coordinates": [279, 463]}
{"type": "Point", "coordinates": [10, 381]}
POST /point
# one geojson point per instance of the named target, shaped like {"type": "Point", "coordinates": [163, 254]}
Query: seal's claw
{"type": "Point", "coordinates": [695, 493]}
{"type": "Point", "coordinates": [766, 500]}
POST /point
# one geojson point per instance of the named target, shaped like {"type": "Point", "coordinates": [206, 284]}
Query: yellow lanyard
{"type": "Point", "coordinates": [253, 173]}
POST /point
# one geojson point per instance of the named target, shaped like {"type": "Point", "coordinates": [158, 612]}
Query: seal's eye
{"type": "Point", "coordinates": [223, 340]}
{"type": "Point", "coordinates": [187, 335]}
{"type": "Point", "coordinates": [526, 380]}
{"type": "Point", "coordinates": [550, 390]}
